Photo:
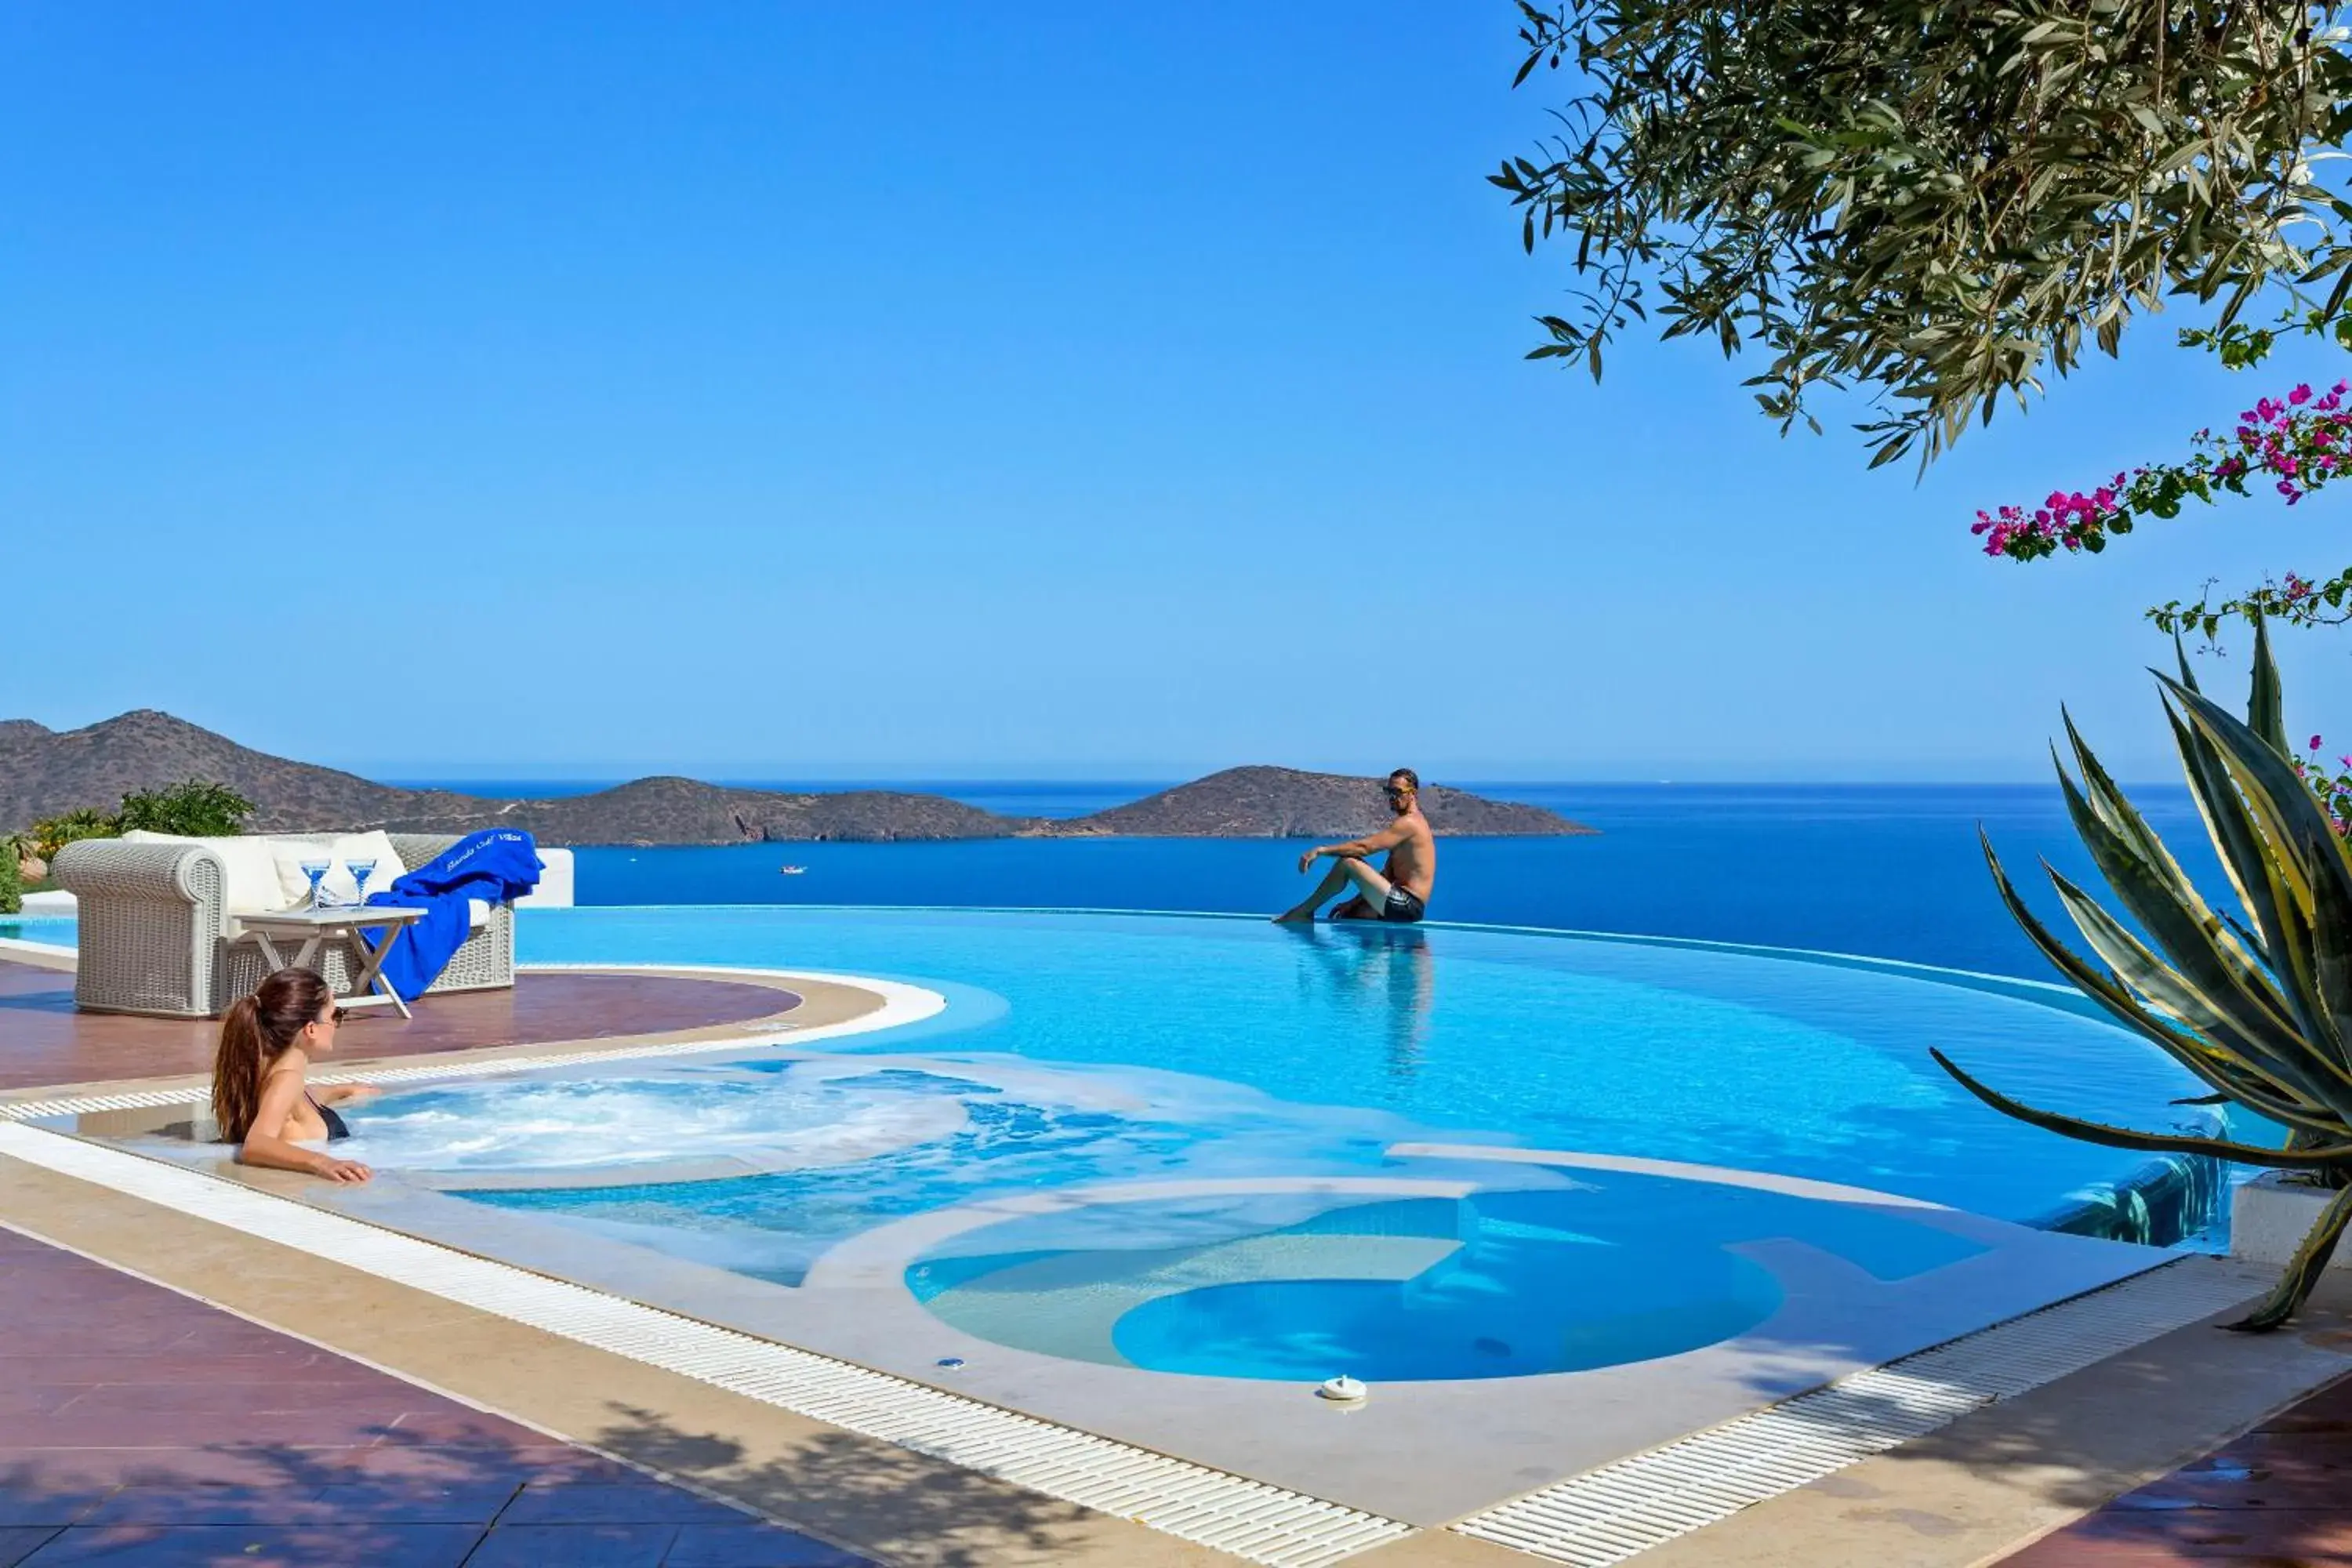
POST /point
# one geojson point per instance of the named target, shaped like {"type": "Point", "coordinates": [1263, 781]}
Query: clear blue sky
{"type": "Point", "coordinates": [834, 389]}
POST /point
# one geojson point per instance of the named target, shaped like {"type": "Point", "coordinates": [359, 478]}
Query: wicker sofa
{"type": "Point", "coordinates": [157, 934]}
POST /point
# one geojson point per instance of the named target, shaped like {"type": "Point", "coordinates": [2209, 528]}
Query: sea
{"type": "Point", "coordinates": [1887, 870]}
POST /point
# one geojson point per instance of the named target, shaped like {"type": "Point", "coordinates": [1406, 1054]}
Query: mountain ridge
{"type": "Point", "coordinates": [45, 771]}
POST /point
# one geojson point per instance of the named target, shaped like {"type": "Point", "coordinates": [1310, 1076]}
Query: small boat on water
{"type": "Point", "coordinates": [790, 870]}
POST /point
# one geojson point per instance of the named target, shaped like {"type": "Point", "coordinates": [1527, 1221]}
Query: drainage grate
{"type": "Point", "coordinates": [1249, 1519]}
{"type": "Point", "coordinates": [1609, 1515]}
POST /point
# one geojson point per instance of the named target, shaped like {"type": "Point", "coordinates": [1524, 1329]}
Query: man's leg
{"type": "Point", "coordinates": [1333, 880]}
{"type": "Point", "coordinates": [1371, 893]}
{"type": "Point", "coordinates": [1371, 890]}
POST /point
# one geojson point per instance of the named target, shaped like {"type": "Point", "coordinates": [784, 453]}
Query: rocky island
{"type": "Point", "coordinates": [45, 773]}
{"type": "Point", "coordinates": [1283, 802]}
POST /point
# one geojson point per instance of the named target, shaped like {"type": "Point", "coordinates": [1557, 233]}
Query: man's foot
{"type": "Point", "coordinates": [1303, 912]}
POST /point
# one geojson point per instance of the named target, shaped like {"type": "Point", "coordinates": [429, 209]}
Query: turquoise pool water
{"type": "Point", "coordinates": [1603, 1269]}
{"type": "Point", "coordinates": [1123, 1053]}
{"type": "Point", "coordinates": [1680, 1053]}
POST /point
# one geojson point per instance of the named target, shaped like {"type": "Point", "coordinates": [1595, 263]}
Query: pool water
{"type": "Point", "coordinates": [1052, 1130]}
{"type": "Point", "coordinates": [615, 1123]}
{"type": "Point", "coordinates": [1711, 1056]}
{"type": "Point", "coordinates": [1166, 1083]}
{"type": "Point", "coordinates": [1594, 1271]}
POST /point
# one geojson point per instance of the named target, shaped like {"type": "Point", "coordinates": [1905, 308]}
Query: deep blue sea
{"type": "Point", "coordinates": [1892, 870]}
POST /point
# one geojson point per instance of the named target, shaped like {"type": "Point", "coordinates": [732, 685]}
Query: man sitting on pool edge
{"type": "Point", "coordinates": [1403, 893]}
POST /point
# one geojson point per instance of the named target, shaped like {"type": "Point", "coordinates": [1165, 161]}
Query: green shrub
{"type": "Point", "coordinates": [195, 808]}
{"type": "Point", "coordinates": [12, 888]}
{"type": "Point", "coordinates": [52, 834]}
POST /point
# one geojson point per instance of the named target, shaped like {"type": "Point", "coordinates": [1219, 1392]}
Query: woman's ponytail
{"type": "Point", "coordinates": [236, 1069]}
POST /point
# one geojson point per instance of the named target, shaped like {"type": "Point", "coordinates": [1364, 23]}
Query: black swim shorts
{"type": "Point", "coordinates": [1403, 907]}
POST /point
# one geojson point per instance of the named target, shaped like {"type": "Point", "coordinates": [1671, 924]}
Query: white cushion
{"type": "Point", "coordinates": [478, 913]}
{"type": "Point", "coordinates": [288, 855]}
{"type": "Point", "coordinates": [251, 883]}
{"type": "Point", "coordinates": [338, 886]}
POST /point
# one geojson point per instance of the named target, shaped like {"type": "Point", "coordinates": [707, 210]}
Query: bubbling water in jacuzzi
{"type": "Point", "coordinates": [768, 1118]}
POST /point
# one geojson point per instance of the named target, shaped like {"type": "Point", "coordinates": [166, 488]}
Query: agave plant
{"type": "Point", "coordinates": [2258, 1007]}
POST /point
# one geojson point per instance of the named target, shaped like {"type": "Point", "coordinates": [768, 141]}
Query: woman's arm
{"type": "Point", "coordinates": [265, 1144]}
{"type": "Point", "coordinates": [345, 1094]}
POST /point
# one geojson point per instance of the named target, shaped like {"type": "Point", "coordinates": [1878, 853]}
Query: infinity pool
{"type": "Point", "coordinates": [1211, 1146]}
{"type": "Point", "coordinates": [1677, 1052]}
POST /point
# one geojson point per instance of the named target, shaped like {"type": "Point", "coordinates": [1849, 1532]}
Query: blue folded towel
{"type": "Point", "coordinates": [500, 863]}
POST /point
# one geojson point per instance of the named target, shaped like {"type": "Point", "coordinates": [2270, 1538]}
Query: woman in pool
{"type": "Point", "coordinates": [259, 1099]}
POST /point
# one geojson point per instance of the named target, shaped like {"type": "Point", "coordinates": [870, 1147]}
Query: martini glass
{"type": "Point", "coordinates": [361, 871]}
{"type": "Point", "coordinates": [314, 867]}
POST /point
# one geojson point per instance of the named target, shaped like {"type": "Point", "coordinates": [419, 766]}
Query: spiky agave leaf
{"type": "Point", "coordinates": [2237, 839]}
{"type": "Point", "coordinates": [2316, 971]}
{"type": "Point", "coordinates": [2265, 710]}
{"type": "Point", "coordinates": [2266, 1079]}
{"type": "Point", "coordinates": [2116, 811]}
{"type": "Point", "coordinates": [2203, 1057]}
{"type": "Point", "coordinates": [2302, 841]}
{"type": "Point", "coordinates": [2301, 1271]}
{"type": "Point", "coordinates": [2325, 1157]}
{"type": "Point", "coordinates": [2215, 982]}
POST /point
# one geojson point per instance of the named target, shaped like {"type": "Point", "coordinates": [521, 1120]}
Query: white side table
{"type": "Point", "coordinates": [314, 927]}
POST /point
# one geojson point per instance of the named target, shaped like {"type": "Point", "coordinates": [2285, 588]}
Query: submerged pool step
{"type": "Point", "coordinates": [1624, 1508]}
{"type": "Point", "coordinates": [1250, 1519]}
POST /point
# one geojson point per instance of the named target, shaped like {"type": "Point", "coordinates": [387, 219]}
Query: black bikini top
{"type": "Point", "coordinates": [336, 1126]}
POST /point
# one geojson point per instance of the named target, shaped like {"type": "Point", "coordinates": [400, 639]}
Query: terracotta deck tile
{"type": "Point", "coordinates": [268, 1546]}
{"type": "Point", "coordinates": [2063, 1551]}
{"type": "Point", "coordinates": [22, 1401]}
{"type": "Point", "coordinates": [156, 1461]}
{"type": "Point", "coordinates": [753, 1546]}
{"type": "Point", "coordinates": [539, 1460]}
{"type": "Point", "coordinates": [279, 1428]}
{"type": "Point", "coordinates": [2280, 1495]}
{"type": "Point", "coordinates": [43, 1040]}
{"type": "Point", "coordinates": [99, 1470]}
{"type": "Point", "coordinates": [470, 1503]}
{"type": "Point", "coordinates": [30, 1503]}
{"type": "Point", "coordinates": [299, 1363]}
{"type": "Point", "coordinates": [451, 1425]}
{"type": "Point", "coordinates": [595, 1502]}
{"type": "Point", "coordinates": [17, 1544]}
{"type": "Point", "coordinates": [574, 1546]}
